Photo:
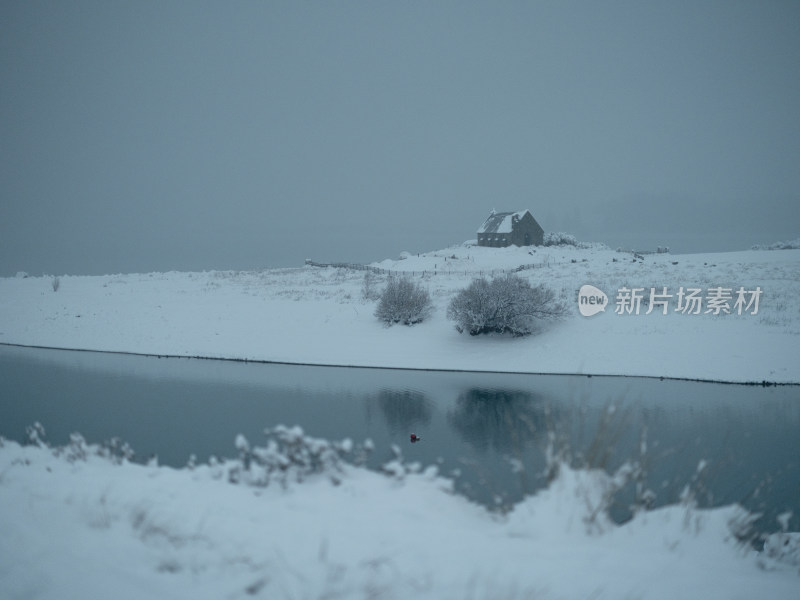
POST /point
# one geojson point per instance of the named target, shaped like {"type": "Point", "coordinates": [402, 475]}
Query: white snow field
{"type": "Point", "coordinates": [83, 522]}
{"type": "Point", "coordinates": [317, 315]}
{"type": "Point", "coordinates": [74, 524]}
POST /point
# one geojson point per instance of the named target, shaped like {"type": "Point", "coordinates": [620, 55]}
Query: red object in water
{"type": "Point", "coordinates": [415, 438]}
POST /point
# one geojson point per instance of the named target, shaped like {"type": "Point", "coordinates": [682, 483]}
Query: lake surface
{"type": "Point", "coordinates": [477, 425]}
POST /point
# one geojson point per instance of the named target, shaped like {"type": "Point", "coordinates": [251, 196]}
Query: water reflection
{"type": "Point", "coordinates": [503, 420]}
{"type": "Point", "coordinates": [404, 410]}
{"type": "Point", "coordinates": [516, 429]}
{"type": "Point", "coordinates": [492, 427]}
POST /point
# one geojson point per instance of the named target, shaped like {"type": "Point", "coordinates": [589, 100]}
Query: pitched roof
{"type": "Point", "coordinates": [500, 222]}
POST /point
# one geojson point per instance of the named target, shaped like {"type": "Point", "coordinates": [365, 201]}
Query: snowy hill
{"type": "Point", "coordinates": [316, 315]}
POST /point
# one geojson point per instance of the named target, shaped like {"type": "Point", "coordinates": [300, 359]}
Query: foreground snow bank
{"type": "Point", "coordinates": [81, 520]}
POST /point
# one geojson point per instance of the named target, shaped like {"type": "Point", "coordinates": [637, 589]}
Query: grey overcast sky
{"type": "Point", "coordinates": [154, 136]}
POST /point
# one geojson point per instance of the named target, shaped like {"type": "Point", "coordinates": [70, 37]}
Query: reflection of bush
{"type": "Point", "coordinates": [404, 409]}
{"type": "Point", "coordinates": [500, 419]}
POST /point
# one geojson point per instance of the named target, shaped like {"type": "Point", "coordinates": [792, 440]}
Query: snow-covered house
{"type": "Point", "coordinates": [506, 228]}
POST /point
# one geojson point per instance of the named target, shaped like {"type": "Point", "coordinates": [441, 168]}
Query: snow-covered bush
{"type": "Point", "coordinates": [78, 449]}
{"type": "Point", "coordinates": [559, 238]}
{"type": "Point", "coordinates": [504, 304]}
{"type": "Point", "coordinates": [35, 434]}
{"type": "Point", "coordinates": [291, 455]}
{"type": "Point", "coordinates": [116, 450]}
{"type": "Point", "coordinates": [55, 283]}
{"type": "Point", "coordinates": [403, 301]}
{"type": "Point", "coordinates": [790, 245]}
{"type": "Point", "coordinates": [369, 288]}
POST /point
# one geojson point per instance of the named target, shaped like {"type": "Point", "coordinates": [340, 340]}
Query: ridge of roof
{"type": "Point", "coordinates": [500, 222]}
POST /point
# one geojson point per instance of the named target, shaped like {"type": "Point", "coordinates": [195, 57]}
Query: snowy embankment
{"type": "Point", "coordinates": [79, 521]}
{"type": "Point", "coordinates": [317, 315]}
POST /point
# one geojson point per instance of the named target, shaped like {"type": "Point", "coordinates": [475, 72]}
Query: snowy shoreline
{"type": "Point", "coordinates": [320, 316]}
{"type": "Point", "coordinates": [81, 519]}
{"type": "Point", "coordinates": [762, 383]}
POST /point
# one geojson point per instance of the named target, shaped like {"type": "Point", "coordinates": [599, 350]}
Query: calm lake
{"type": "Point", "coordinates": [477, 427]}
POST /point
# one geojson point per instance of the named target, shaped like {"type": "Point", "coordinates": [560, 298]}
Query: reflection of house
{"type": "Point", "coordinates": [506, 228]}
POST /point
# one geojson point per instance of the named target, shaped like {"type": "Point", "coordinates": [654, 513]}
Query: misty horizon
{"type": "Point", "coordinates": [187, 136]}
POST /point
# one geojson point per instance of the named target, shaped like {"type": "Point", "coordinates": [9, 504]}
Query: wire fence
{"type": "Point", "coordinates": [428, 272]}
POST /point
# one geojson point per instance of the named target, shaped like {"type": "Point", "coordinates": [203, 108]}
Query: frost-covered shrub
{"type": "Point", "coordinates": [36, 434]}
{"type": "Point", "coordinates": [559, 239]}
{"type": "Point", "coordinates": [790, 245]}
{"type": "Point", "coordinates": [403, 301]}
{"type": "Point", "coordinates": [369, 288]}
{"type": "Point", "coordinates": [78, 449]}
{"type": "Point", "coordinates": [290, 455]}
{"type": "Point", "coordinates": [116, 450]}
{"type": "Point", "coordinates": [56, 283]}
{"type": "Point", "coordinates": [504, 305]}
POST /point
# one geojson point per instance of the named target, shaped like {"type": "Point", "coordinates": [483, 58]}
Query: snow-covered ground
{"type": "Point", "coordinates": [76, 524]}
{"type": "Point", "coordinates": [319, 315]}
